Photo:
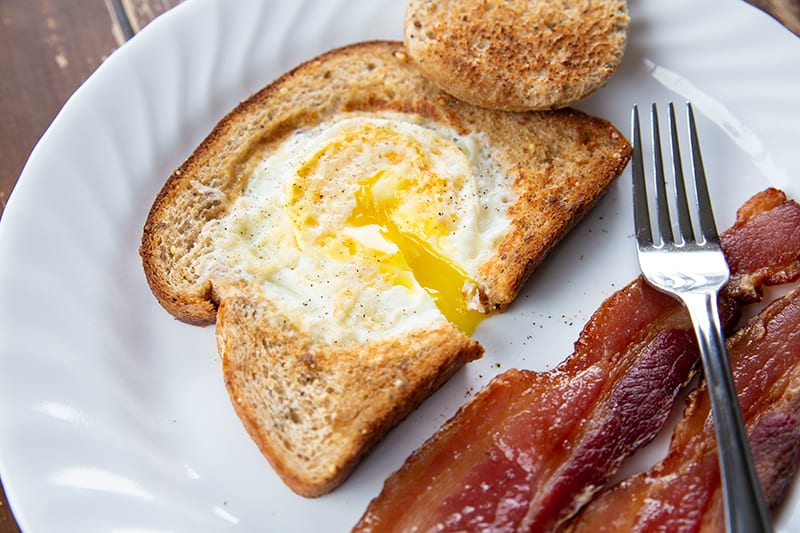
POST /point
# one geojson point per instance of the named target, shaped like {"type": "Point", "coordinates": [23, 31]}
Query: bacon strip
{"type": "Point", "coordinates": [683, 492]}
{"type": "Point", "coordinates": [532, 447]}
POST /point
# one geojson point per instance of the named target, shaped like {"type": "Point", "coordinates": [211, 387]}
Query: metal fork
{"type": "Point", "coordinates": [688, 263]}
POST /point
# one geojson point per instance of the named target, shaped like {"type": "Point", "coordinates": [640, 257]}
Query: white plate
{"type": "Point", "coordinates": [114, 417]}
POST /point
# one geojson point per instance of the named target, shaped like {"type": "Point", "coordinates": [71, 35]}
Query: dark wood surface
{"type": "Point", "coordinates": [48, 48]}
{"type": "Point", "coordinates": [787, 12]}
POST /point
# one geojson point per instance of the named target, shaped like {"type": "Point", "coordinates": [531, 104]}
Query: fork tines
{"type": "Point", "coordinates": [662, 232]}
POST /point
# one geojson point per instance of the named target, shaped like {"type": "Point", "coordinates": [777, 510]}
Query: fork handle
{"type": "Point", "coordinates": [745, 507]}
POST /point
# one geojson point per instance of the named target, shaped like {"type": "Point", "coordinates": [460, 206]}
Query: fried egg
{"type": "Point", "coordinates": [367, 226]}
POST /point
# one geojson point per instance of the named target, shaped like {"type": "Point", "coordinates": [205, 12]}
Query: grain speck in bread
{"type": "Point", "coordinates": [314, 396]}
{"type": "Point", "coordinates": [517, 54]}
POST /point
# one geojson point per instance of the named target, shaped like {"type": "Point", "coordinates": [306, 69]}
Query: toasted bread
{"type": "Point", "coordinates": [313, 398]}
{"type": "Point", "coordinates": [517, 55]}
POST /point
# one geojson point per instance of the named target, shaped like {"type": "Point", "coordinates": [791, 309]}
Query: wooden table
{"type": "Point", "coordinates": [49, 47]}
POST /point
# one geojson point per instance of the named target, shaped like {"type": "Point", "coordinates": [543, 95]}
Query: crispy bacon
{"type": "Point", "coordinates": [532, 447]}
{"type": "Point", "coordinates": [761, 248]}
{"type": "Point", "coordinates": [683, 492]}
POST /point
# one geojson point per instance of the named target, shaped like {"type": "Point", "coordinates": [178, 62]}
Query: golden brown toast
{"type": "Point", "coordinates": [517, 55]}
{"type": "Point", "coordinates": [316, 395]}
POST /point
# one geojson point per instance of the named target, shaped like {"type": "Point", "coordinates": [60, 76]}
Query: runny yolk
{"type": "Point", "coordinates": [441, 278]}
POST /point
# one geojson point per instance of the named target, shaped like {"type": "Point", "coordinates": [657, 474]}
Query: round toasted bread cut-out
{"type": "Point", "coordinates": [517, 55]}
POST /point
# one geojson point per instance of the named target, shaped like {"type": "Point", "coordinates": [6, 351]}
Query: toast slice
{"type": "Point", "coordinates": [517, 55]}
{"type": "Point", "coordinates": [326, 342]}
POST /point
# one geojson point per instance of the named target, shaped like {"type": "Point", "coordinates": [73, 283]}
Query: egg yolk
{"type": "Point", "coordinates": [442, 279]}
{"type": "Point", "coordinates": [403, 209]}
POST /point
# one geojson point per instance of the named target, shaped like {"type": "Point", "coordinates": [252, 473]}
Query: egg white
{"type": "Point", "coordinates": [290, 234]}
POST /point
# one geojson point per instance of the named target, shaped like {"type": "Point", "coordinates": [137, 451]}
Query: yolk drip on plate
{"type": "Point", "coordinates": [402, 202]}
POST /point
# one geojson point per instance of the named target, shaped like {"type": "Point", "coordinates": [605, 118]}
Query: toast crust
{"type": "Point", "coordinates": [312, 408]}
{"type": "Point", "coordinates": [315, 411]}
{"type": "Point", "coordinates": [517, 55]}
